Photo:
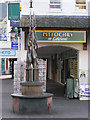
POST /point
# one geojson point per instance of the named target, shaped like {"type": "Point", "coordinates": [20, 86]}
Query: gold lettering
{"type": "Point", "coordinates": [64, 35]}
{"type": "Point", "coordinates": [52, 35]}
{"type": "Point", "coordinates": [71, 34]}
{"type": "Point", "coordinates": [60, 35]}
{"type": "Point", "coordinates": [44, 34]}
{"type": "Point", "coordinates": [55, 34]}
{"type": "Point", "coordinates": [68, 35]}
{"type": "Point", "coordinates": [49, 34]}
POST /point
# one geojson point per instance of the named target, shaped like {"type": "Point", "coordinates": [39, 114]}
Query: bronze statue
{"type": "Point", "coordinates": [32, 46]}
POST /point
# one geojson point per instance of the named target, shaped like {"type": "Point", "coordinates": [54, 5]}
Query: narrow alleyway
{"type": "Point", "coordinates": [54, 87]}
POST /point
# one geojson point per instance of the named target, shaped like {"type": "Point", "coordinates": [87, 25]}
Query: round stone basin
{"type": "Point", "coordinates": [43, 95]}
{"type": "Point", "coordinates": [29, 104]}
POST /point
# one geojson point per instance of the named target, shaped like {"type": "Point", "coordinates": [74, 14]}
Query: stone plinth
{"type": "Point", "coordinates": [29, 104]}
{"type": "Point", "coordinates": [31, 88]}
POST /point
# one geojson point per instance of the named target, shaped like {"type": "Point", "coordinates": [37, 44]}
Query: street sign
{"type": "Point", "coordinates": [7, 52]}
{"type": "Point", "coordinates": [15, 23]}
{"type": "Point", "coordinates": [14, 45]}
{"type": "Point", "coordinates": [13, 11]}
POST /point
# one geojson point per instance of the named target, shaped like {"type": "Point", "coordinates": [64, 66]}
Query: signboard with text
{"type": "Point", "coordinates": [13, 11]}
{"type": "Point", "coordinates": [61, 36]}
{"type": "Point", "coordinates": [14, 45]}
{"type": "Point", "coordinates": [84, 90]}
{"type": "Point", "coordinates": [7, 52]}
{"type": "Point", "coordinates": [15, 23]}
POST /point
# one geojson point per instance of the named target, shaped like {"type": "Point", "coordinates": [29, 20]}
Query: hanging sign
{"type": "Point", "coordinates": [61, 36]}
{"type": "Point", "coordinates": [15, 23]}
{"type": "Point", "coordinates": [7, 52]}
{"type": "Point", "coordinates": [14, 45]}
{"type": "Point", "coordinates": [13, 11]}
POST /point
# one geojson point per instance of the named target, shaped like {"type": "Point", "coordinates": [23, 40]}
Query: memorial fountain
{"type": "Point", "coordinates": [32, 98]}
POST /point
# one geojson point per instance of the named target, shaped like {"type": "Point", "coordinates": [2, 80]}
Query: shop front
{"type": "Point", "coordinates": [7, 57]}
{"type": "Point", "coordinates": [67, 59]}
{"type": "Point", "coordinates": [63, 42]}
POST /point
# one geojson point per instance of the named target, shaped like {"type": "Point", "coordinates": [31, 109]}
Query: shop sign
{"type": "Point", "coordinates": [61, 36]}
{"type": "Point", "coordinates": [13, 11]}
{"type": "Point", "coordinates": [15, 23]}
{"type": "Point", "coordinates": [14, 45]}
{"type": "Point", "coordinates": [84, 90]}
{"type": "Point", "coordinates": [7, 52]}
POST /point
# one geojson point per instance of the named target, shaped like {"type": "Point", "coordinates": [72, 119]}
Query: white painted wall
{"type": "Point", "coordinates": [5, 44]}
{"type": "Point", "coordinates": [83, 59]}
{"type": "Point", "coordinates": [41, 7]}
{"type": "Point", "coordinates": [77, 46]}
{"type": "Point", "coordinates": [83, 66]}
{"type": "Point", "coordinates": [68, 6]}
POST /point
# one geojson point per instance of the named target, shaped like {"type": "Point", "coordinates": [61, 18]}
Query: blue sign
{"type": "Point", "coordinates": [14, 45]}
{"type": "Point", "coordinates": [7, 52]}
{"type": "Point", "coordinates": [15, 23]}
{"type": "Point", "coordinates": [84, 90]}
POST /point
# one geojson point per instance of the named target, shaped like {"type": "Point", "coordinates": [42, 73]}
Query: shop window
{"type": "Point", "coordinates": [80, 4]}
{"type": "Point", "coordinates": [55, 4]}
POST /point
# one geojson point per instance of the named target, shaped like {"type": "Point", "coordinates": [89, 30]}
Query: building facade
{"type": "Point", "coordinates": [56, 18]}
{"type": "Point", "coordinates": [3, 27]}
{"type": "Point", "coordinates": [58, 7]}
{"type": "Point", "coordinates": [63, 35]}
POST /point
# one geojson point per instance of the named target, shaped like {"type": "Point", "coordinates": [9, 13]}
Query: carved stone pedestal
{"type": "Point", "coordinates": [32, 100]}
{"type": "Point", "coordinates": [32, 104]}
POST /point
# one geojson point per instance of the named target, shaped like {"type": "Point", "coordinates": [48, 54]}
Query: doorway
{"type": "Point", "coordinates": [59, 67]}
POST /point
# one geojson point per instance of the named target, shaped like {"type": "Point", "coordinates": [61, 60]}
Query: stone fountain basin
{"type": "Point", "coordinates": [29, 104]}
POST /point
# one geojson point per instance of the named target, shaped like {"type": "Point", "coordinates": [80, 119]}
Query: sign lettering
{"type": "Point", "coordinates": [61, 36]}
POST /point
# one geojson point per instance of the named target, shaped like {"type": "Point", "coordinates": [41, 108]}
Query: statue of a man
{"type": "Point", "coordinates": [32, 54]}
{"type": "Point", "coordinates": [32, 60]}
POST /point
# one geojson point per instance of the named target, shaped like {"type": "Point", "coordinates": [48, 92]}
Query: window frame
{"type": "Point", "coordinates": [80, 5]}
{"type": "Point", "coordinates": [54, 8]}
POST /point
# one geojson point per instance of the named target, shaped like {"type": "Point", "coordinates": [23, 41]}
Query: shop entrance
{"type": "Point", "coordinates": [62, 69]}
{"type": "Point", "coordinates": [7, 66]}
